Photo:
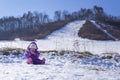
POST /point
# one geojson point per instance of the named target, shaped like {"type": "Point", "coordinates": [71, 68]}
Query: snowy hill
{"type": "Point", "coordinates": [67, 39]}
{"type": "Point", "coordinates": [69, 31]}
{"type": "Point", "coordinates": [96, 30]}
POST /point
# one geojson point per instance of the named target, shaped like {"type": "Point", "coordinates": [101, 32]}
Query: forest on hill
{"type": "Point", "coordinates": [36, 25]}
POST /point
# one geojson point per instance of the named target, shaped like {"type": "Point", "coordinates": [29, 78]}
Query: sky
{"type": "Point", "coordinates": [18, 7]}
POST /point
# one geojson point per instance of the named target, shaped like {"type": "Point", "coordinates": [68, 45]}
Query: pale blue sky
{"type": "Point", "coordinates": [18, 7]}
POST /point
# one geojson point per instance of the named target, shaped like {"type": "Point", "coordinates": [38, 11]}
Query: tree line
{"type": "Point", "coordinates": [29, 22]}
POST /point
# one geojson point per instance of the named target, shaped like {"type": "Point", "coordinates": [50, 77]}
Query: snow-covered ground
{"type": "Point", "coordinates": [62, 67]}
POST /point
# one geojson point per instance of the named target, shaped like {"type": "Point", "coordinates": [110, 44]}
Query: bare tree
{"type": "Point", "coordinates": [99, 13]}
{"type": "Point", "coordinates": [57, 15]}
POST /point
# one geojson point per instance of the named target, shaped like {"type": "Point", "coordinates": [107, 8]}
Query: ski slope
{"type": "Point", "coordinates": [67, 39]}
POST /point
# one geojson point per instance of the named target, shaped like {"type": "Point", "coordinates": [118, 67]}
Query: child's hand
{"type": "Point", "coordinates": [30, 61]}
{"type": "Point", "coordinates": [43, 61]}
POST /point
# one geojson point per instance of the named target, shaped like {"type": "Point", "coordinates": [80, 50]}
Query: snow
{"type": "Point", "coordinates": [57, 68]}
{"type": "Point", "coordinates": [69, 31]}
{"type": "Point", "coordinates": [62, 67]}
{"type": "Point", "coordinates": [67, 39]}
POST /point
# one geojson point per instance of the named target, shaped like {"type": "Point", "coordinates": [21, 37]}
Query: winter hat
{"type": "Point", "coordinates": [33, 46]}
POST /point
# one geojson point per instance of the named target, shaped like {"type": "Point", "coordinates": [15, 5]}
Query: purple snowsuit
{"type": "Point", "coordinates": [34, 57]}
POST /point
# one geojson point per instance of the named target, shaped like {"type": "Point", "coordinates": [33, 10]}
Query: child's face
{"type": "Point", "coordinates": [32, 49]}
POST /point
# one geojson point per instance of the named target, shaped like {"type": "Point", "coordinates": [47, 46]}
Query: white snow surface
{"type": "Point", "coordinates": [57, 68]}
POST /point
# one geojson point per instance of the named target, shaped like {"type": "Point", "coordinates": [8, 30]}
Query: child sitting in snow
{"type": "Point", "coordinates": [32, 54]}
